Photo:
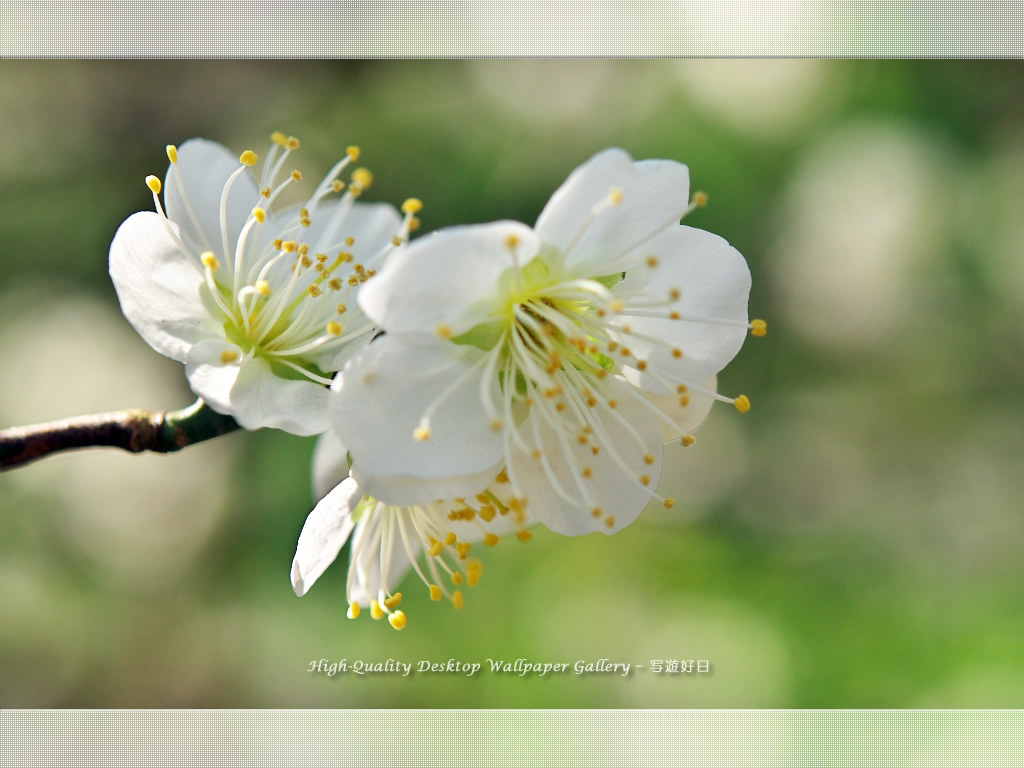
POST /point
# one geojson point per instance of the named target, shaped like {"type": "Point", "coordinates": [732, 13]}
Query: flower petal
{"type": "Point", "coordinates": [686, 419]}
{"type": "Point", "coordinates": [370, 225]}
{"type": "Point", "coordinates": [253, 394]}
{"type": "Point", "coordinates": [593, 235]}
{"type": "Point", "coordinates": [381, 396]}
{"type": "Point", "coordinates": [631, 431]}
{"type": "Point", "coordinates": [408, 490]}
{"type": "Point", "coordinates": [202, 169]}
{"type": "Point", "coordinates": [160, 290]}
{"type": "Point", "coordinates": [450, 278]}
{"type": "Point", "coordinates": [330, 463]}
{"type": "Point", "coordinates": [714, 282]}
{"type": "Point", "coordinates": [323, 535]}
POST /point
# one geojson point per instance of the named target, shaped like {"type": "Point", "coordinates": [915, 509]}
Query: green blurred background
{"type": "Point", "coordinates": [854, 541]}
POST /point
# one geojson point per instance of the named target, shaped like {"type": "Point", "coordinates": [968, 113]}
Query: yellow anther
{"type": "Point", "coordinates": [511, 241]}
{"type": "Point", "coordinates": [648, 459]}
{"type": "Point", "coordinates": [688, 440]}
{"type": "Point", "coordinates": [172, 153]}
{"type": "Point", "coordinates": [314, 290]}
{"type": "Point", "coordinates": [265, 192]}
{"type": "Point", "coordinates": [350, 241]}
{"type": "Point", "coordinates": [595, 450]}
{"type": "Point", "coordinates": [289, 246]}
{"type": "Point", "coordinates": [700, 199]}
{"type": "Point", "coordinates": [463, 549]}
{"type": "Point", "coordinates": [501, 477]}
{"type": "Point", "coordinates": [596, 512]}
{"type": "Point", "coordinates": [394, 601]}
{"type": "Point", "coordinates": [352, 152]}
{"type": "Point", "coordinates": [615, 195]}
{"type": "Point", "coordinates": [613, 404]}
{"type": "Point", "coordinates": [154, 184]}
{"type": "Point", "coordinates": [263, 288]}
{"type": "Point", "coordinates": [297, 175]}
{"type": "Point", "coordinates": [259, 214]}
{"type": "Point", "coordinates": [334, 328]}
{"type": "Point", "coordinates": [278, 138]}
{"type": "Point", "coordinates": [228, 356]}
{"type": "Point", "coordinates": [652, 261]}
{"type": "Point", "coordinates": [443, 331]}
{"type": "Point", "coordinates": [335, 283]}
{"type": "Point", "coordinates": [497, 425]}
{"type": "Point", "coordinates": [353, 611]}
{"type": "Point", "coordinates": [451, 538]}
{"type": "Point", "coordinates": [304, 249]}
{"type": "Point", "coordinates": [456, 578]}
{"type": "Point", "coordinates": [412, 205]}
{"type": "Point", "coordinates": [675, 294]}
{"type": "Point", "coordinates": [375, 611]}
{"type": "Point", "coordinates": [291, 143]}
{"type": "Point", "coordinates": [641, 365]}
{"type": "Point", "coordinates": [362, 177]}
{"type": "Point", "coordinates": [681, 389]}
{"type": "Point", "coordinates": [758, 327]}
{"type": "Point", "coordinates": [337, 185]}
{"type": "Point", "coordinates": [609, 522]}
{"type": "Point", "coordinates": [396, 241]}
{"type": "Point", "coordinates": [645, 479]}
{"type": "Point", "coordinates": [524, 536]}
{"type": "Point", "coordinates": [684, 401]}
{"type": "Point", "coordinates": [435, 592]}
{"type": "Point", "coordinates": [397, 620]}
{"type": "Point", "coordinates": [673, 315]}
{"type": "Point", "coordinates": [669, 502]}
{"type": "Point", "coordinates": [472, 576]}
{"type": "Point", "coordinates": [209, 261]}
{"type": "Point", "coordinates": [587, 472]}
{"type": "Point", "coordinates": [421, 433]}
{"type": "Point", "coordinates": [616, 305]}
{"type": "Point", "coordinates": [248, 158]}
{"type": "Point", "coordinates": [341, 309]}
{"type": "Point", "coordinates": [490, 540]}
{"type": "Point", "coordinates": [436, 548]}
{"type": "Point", "coordinates": [487, 513]}
{"type": "Point", "coordinates": [612, 346]}
{"type": "Point", "coordinates": [677, 353]}
{"type": "Point", "coordinates": [742, 403]}
{"type": "Point", "coordinates": [457, 599]}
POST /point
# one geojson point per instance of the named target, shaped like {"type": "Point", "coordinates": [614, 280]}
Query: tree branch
{"type": "Point", "coordinates": [133, 430]}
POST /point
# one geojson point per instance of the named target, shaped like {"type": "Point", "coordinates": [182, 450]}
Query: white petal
{"type": "Point", "coordinates": [618, 495]}
{"type": "Point", "coordinates": [323, 535]}
{"type": "Point", "coordinates": [715, 284]}
{"type": "Point", "coordinates": [253, 394]}
{"type": "Point", "coordinates": [203, 168]}
{"type": "Point", "coordinates": [450, 278]}
{"type": "Point", "coordinates": [403, 490]}
{"type": "Point", "coordinates": [381, 395]}
{"type": "Point", "coordinates": [687, 419]}
{"type": "Point", "coordinates": [159, 289]}
{"type": "Point", "coordinates": [370, 225]}
{"type": "Point", "coordinates": [330, 463]}
{"type": "Point", "coordinates": [368, 562]}
{"type": "Point", "coordinates": [655, 194]}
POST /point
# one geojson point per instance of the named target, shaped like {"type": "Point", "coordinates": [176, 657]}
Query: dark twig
{"type": "Point", "coordinates": [133, 430]}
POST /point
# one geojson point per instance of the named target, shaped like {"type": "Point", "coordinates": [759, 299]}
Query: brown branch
{"type": "Point", "coordinates": [133, 430]}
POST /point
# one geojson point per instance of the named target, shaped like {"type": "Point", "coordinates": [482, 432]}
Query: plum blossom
{"type": "Point", "coordinates": [565, 354]}
{"type": "Point", "coordinates": [259, 304]}
{"type": "Point", "coordinates": [387, 540]}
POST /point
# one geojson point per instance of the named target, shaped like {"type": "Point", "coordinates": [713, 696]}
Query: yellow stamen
{"type": "Point", "coordinates": [457, 599]}
{"type": "Point", "coordinates": [700, 199]}
{"type": "Point", "coordinates": [742, 403]}
{"type": "Point", "coordinates": [394, 601]}
{"type": "Point", "coordinates": [352, 152]}
{"type": "Point", "coordinates": [435, 549]}
{"type": "Point", "coordinates": [758, 327]}
{"type": "Point", "coordinates": [154, 184]}
{"type": "Point", "coordinates": [353, 611]}
{"type": "Point", "coordinates": [490, 540]}
{"type": "Point", "coordinates": [524, 536]}
{"type": "Point", "coordinates": [421, 433]}
{"type": "Point", "coordinates": [435, 592]}
{"type": "Point", "coordinates": [669, 503]}
{"type": "Point", "coordinates": [397, 620]}
{"type": "Point", "coordinates": [228, 356]}
{"type": "Point", "coordinates": [172, 153]}
{"type": "Point", "coordinates": [297, 175]}
{"type": "Point", "coordinates": [443, 331]}
{"type": "Point", "coordinates": [263, 288]}
{"type": "Point", "coordinates": [292, 143]}
{"type": "Point", "coordinates": [259, 214]}
{"type": "Point", "coordinates": [248, 158]}
{"type": "Point", "coordinates": [279, 138]}
{"type": "Point", "coordinates": [334, 328]}
{"type": "Point", "coordinates": [688, 440]}
{"type": "Point", "coordinates": [362, 177]}
{"type": "Point", "coordinates": [412, 205]}
{"type": "Point", "coordinates": [375, 611]}
{"type": "Point", "coordinates": [210, 261]}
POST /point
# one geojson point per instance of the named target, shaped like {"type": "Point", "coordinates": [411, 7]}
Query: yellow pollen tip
{"type": "Point", "coordinates": [524, 536]}
{"type": "Point", "coordinates": [700, 199]}
{"type": "Point", "coordinates": [314, 290]}
{"type": "Point", "coordinates": [154, 184]}
{"type": "Point", "coordinates": [615, 195]}
{"type": "Point", "coordinates": [259, 214]}
{"type": "Point", "coordinates": [675, 295]}
{"type": "Point", "coordinates": [394, 601]}
{"type": "Point", "coordinates": [334, 328]}
{"type": "Point", "coordinates": [450, 538]}
{"type": "Point", "coordinates": [641, 365]}
{"type": "Point", "coordinates": [652, 261]}
{"type": "Point", "coordinates": [742, 403]}
{"type": "Point", "coordinates": [209, 261]}
{"type": "Point", "coordinates": [414, 224]}
{"type": "Point", "coordinates": [278, 138]}
{"type": "Point", "coordinates": [297, 175]}
{"type": "Point", "coordinates": [248, 158]}
{"type": "Point", "coordinates": [456, 578]}
{"type": "Point", "coordinates": [648, 459]}
{"type": "Point", "coordinates": [511, 241]}
{"type": "Point", "coordinates": [436, 548]}
{"type": "Point", "coordinates": [172, 153]}
{"type": "Point", "coordinates": [412, 205]}
{"type": "Point", "coordinates": [669, 503]}
{"type": "Point", "coordinates": [587, 472]}
{"type": "Point", "coordinates": [228, 356]}
{"type": "Point", "coordinates": [609, 522]}
{"type": "Point", "coordinates": [616, 305]}
{"type": "Point", "coordinates": [263, 288]}
{"type": "Point", "coordinates": [337, 185]}
{"type": "Point", "coordinates": [596, 512]}
{"type": "Point", "coordinates": [490, 540]}
{"type": "Point", "coordinates": [645, 479]}
{"type": "Point", "coordinates": [688, 440]}
{"type": "Point", "coordinates": [375, 611]}
{"type": "Point", "coordinates": [421, 433]}
{"type": "Point", "coordinates": [677, 353]}
{"type": "Point", "coordinates": [457, 599]}
{"type": "Point", "coordinates": [352, 152]}
{"type": "Point", "coordinates": [758, 327]}
{"type": "Point", "coordinates": [397, 620]}
{"type": "Point", "coordinates": [353, 611]}
{"type": "Point", "coordinates": [443, 331]}
{"type": "Point", "coordinates": [497, 425]}
{"type": "Point", "coordinates": [362, 177]}
{"type": "Point", "coordinates": [435, 593]}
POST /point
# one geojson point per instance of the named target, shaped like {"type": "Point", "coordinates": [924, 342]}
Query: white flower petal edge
{"type": "Point", "coordinates": [259, 304]}
{"type": "Point", "coordinates": [593, 371]}
{"type": "Point", "coordinates": [388, 540]}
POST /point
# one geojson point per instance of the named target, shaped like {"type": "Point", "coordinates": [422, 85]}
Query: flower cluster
{"type": "Point", "coordinates": [516, 375]}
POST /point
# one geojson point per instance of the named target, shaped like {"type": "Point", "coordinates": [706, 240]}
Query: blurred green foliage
{"type": "Point", "coordinates": [854, 541]}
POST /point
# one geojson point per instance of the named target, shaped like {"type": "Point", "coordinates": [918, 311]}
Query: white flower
{"type": "Point", "coordinates": [258, 305]}
{"type": "Point", "coordinates": [387, 539]}
{"type": "Point", "coordinates": [567, 353]}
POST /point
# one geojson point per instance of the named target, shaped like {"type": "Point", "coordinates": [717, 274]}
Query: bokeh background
{"type": "Point", "coordinates": [855, 540]}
